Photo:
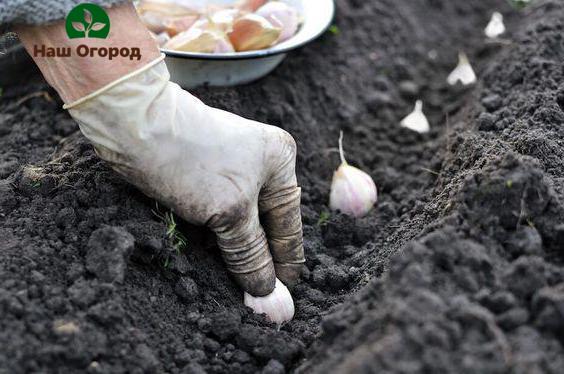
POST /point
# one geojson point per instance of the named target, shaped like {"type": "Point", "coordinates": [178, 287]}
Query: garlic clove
{"type": "Point", "coordinates": [176, 26]}
{"type": "Point", "coordinates": [353, 192]}
{"type": "Point", "coordinates": [463, 73]}
{"type": "Point", "coordinates": [157, 14]}
{"type": "Point", "coordinates": [249, 5]}
{"type": "Point", "coordinates": [200, 40]}
{"type": "Point", "coordinates": [252, 32]}
{"type": "Point", "coordinates": [278, 306]}
{"type": "Point", "coordinates": [161, 38]}
{"type": "Point", "coordinates": [495, 27]}
{"type": "Point", "coordinates": [416, 120]}
{"type": "Point", "coordinates": [224, 19]}
{"type": "Point", "coordinates": [281, 15]}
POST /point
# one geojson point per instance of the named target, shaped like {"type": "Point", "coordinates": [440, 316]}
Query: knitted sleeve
{"type": "Point", "coordinates": [38, 12]}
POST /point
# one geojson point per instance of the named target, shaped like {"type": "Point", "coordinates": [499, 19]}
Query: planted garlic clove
{"type": "Point", "coordinates": [353, 191]}
{"type": "Point", "coordinates": [278, 306]}
{"type": "Point", "coordinates": [495, 27]}
{"type": "Point", "coordinates": [252, 32]}
{"type": "Point", "coordinates": [281, 15]}
{"type": "Point", "coordinates": [199, 40]}
{"type": "Point", "coordinates": [463, 73]}
{"type": "Point", "coordinates": [416, 120]}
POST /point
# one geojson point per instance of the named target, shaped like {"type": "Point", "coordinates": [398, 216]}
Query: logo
{"type": "Point", "coordinates": [87, 21]}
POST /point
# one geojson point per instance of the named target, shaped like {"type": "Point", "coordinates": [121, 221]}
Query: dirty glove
{"type": "Point", "coordinates": [209, 166]}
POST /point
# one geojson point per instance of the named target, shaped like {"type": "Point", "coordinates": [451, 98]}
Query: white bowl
{"type": "Point", "coordinates": [190, 69]}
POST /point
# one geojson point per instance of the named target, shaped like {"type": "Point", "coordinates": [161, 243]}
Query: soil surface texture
{"type": "Point", "coordinates": [458, 269]}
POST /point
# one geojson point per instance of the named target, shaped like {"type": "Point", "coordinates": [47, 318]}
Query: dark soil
{"type": "Point", "coordinates": [459, 268]}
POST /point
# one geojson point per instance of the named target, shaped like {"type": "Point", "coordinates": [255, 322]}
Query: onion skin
{"type": "Point", "coordinates": [278, 306]}
{"type": "Point", "coordinates": [281, 15]}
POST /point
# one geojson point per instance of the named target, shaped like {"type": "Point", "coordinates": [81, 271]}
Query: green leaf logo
{"type": "Point", "coordinates": [87, 21]}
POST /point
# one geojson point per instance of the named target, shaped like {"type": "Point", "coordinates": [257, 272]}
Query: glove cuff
{"type": "Point", "coordinates": [114, 83]}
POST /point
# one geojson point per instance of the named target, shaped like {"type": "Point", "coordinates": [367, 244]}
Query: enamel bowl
{"type": "Point", "coordinates": [191, 70]}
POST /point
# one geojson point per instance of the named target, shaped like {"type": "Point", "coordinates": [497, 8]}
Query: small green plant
{"type": "Point", "coordinates": [520, 4]}
{"type": "Point", "coordinates": [334, 29]}
{"type": "Point", "coordinates": [509, 183]}
{"type": "Point", "coordinates": [177, 239]}
{"type": "Point", "coordinates": [323, 218]}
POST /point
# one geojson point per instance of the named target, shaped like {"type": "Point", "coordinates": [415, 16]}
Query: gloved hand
{"type": "Point", "coordinates": [209, 166]}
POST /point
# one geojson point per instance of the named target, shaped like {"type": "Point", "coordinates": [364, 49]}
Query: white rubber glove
{"type": "Point", "coordinates": [209, 166]}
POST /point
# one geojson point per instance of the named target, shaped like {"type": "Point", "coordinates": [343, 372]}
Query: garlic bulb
{"type": "Point", "coordinates": [253, 32]}
{"type": "Point", "coordinates": [463, 73]}
{"type": "Point", "coordinates": [200, 40]}
{"type": "Point", "coordinates": [496, 27]}
{"type": "Point", "coordinates": [353, 192]}
{"type": "Point", "coordinates": [416, 120]}
{"type": "Point", "coordinates": [281, 15]}
{"type": "Point", "coordinates": [278, 306]}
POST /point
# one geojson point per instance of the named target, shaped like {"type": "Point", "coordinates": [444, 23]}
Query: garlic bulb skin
{"type": "Point", "coordinates": [496, 27]}
{"type": "Point", "coordinates": [463, 73]}
{"type": "Point", "coordinates": [278, 306]}
{"type": "Point", "coordinates": [416, 120]}
{"type": "Point", "coordinates": [281, 15]}
{"type": "Point", "coordinates": [353, 192]}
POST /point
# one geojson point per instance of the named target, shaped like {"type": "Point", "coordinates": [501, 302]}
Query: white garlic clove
{"type": "Point", "coordinates": [416, 120]}
{"type": "Point", "coordinates": [161, 38]}
{"type": "Point", "coordinates": [495, 27]}
{"type": "Point", "coordinates": [281, 15]}
{"type": "Point", "coordinates": [463, 73]}
{"type": "Point", "coordinates": [353, 192]}
{"type": "Point", "coordinates": [278, 306]}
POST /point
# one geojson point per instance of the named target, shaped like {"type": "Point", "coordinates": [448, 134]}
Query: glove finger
{"type": "Point", "coordinates": [282, 220]}
{"type": "Point", "coordinates": [244, 249]}
{"type": "Point", "coordinates": [279, 206]}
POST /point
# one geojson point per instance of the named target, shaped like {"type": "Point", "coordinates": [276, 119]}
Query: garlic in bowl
{"type": "Point", "coordinates": [231, 42]}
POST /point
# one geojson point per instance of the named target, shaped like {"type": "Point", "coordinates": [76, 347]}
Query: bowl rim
{"type": "Point", "coordinates": [263, 53]}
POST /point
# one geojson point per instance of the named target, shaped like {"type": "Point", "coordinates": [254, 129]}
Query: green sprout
{"type": "Point", "coordinates": [519, 4]}
{"type": "Point", "coordinates": [177, 239]}
{"type": "Point", "coordinates": [323, 218]}
{"type": "Point", "coordinates": [334, 29]}
{"type": "Point", "coordinates": [509, 183]}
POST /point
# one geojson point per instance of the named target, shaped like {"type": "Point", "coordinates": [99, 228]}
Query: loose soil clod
{"type": "Point", "coordinates": [459, 268]}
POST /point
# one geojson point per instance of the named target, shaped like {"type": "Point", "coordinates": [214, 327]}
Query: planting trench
{"type": "Point", "coordinates": [458, 269]}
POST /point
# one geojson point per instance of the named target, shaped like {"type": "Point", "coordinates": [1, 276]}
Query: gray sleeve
{"type": "Point", "coordinates": [38, 12]}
